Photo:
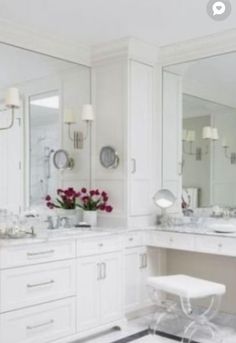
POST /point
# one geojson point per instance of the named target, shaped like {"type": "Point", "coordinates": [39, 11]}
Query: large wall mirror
{"type": "Point", "coordinates": [201, 95]}
{"type": "Point", "coordinates": [48, 87]}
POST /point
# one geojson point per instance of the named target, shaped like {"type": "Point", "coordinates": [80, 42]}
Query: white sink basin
{"type": "Point", "coordinates": [223, 228]}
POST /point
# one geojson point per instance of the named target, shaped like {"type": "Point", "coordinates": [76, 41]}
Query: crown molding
{"type": "Point", "coordinates": [22, 37]}
{"type": "Point", "coordinates": [129, 48]}
{"type": "Point", "coordinates": [211, 45]}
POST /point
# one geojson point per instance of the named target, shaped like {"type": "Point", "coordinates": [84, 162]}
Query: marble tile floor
{"type": "Point", "coordinates": [226, 322]}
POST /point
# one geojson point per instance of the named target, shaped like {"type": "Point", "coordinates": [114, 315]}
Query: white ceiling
{"type": "Point", "coordinates": [93, 21]}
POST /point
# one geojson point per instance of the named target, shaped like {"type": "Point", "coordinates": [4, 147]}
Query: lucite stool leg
{"type": "Point", "coordinates": [169, 308]}
{"type": "Point", "coordinates": [201, 322]}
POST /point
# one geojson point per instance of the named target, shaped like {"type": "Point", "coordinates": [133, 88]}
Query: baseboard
{"type": "Point", "coordinates": [121, 324]}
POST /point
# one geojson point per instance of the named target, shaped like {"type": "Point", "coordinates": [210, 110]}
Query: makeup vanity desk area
{"type": "Point", "coordinates": [66, 284]}
{"type": "Point", "coordinates": [193, 239]}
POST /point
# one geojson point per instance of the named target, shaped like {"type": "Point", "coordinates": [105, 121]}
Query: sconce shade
{"type": "Point", "coordinates": [164, 199]}
{"type": "Point", "coordinates": [12, 99]}
{"type": "Point", "coordinates": [224, 143]}
{"type": "Point", "coordinates": [207, 132]}
{"type": "Point", "coordinates": [69, 117]}
{"type": "Point", "coordinates": [214, 134]}
{"type": "Point", "coordinates": [191, 135]}
{"type": "Point", "coordinates": [88, 112]}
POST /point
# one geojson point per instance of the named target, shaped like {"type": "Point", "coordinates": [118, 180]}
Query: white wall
{"type": "Point", "coordinates": [210, 267]}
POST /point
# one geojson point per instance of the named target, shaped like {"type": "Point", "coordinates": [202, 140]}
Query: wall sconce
{"type": "Point", "coordinates": [231, 156]}
{"type": "Point", "coordinates": [210, 134]}
{"type": "Point", "coordinates": [12, 101]}
{"type": "Point", "coordinates": [78, 137]}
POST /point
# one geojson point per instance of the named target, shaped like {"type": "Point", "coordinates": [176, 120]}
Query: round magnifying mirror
{"type": "Point", "coordinates": [164, 199]}
{"type": "Point", "coordinates": [109, 157]}
{"type": "Point", "coordinates": [62, 160]}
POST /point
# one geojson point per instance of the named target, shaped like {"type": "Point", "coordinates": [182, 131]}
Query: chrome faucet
{"type": "Point", "coordinates": [60, 222]}
{"type": "Point", "coordinates": [51, 226]}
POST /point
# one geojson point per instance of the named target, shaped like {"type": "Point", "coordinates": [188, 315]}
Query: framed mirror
{"type": "Point", "coordinates": [47, 86]}
{"type": "Point", "coordinates": [200, 99]}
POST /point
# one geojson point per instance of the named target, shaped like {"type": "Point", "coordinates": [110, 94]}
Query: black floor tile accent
{"type": "Point", "coordinates": [146, 333]}
{"type": "Point", "coordinates": [133, 337]}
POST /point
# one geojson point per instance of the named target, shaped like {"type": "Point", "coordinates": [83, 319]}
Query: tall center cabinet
{"type": "Point", "coordinates": [123, 94]}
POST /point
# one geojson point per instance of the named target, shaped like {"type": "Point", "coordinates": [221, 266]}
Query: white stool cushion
{"type": "Point", "coordinates": [185, 286]}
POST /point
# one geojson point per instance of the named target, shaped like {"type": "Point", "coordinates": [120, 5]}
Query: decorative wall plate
{"type": "Point", "coordinates": [62, 160]}
{"type": "Point", "coordinates": [109, 157]}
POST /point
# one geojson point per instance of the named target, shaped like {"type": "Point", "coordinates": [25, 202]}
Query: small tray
{"type": "Point", "coordinates": [17, 235]}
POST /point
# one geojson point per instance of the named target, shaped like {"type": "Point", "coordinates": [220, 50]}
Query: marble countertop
{"type": "Point", "coordinates": [209, 228]}
{"type": "Point", "coordinates": [62, 234]}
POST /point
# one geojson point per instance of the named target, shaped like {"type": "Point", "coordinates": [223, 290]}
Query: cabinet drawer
{"type": "Point", "coordinates": [134, 239]}
{"type": "Point", "coordinates": [99, 245]}
{"type": "Point", "coordinates": [36, 253]}
{"type": "Point", "coordinates": [39, 324]}
{"type": "Point", "coordinates": [215, 245]}
{"type": "Point", "coordinates": [21, 287]}
{"type": "Point", "coordinates": [172, 240]}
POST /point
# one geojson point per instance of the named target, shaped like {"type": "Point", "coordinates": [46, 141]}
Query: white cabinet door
{"type": "Point", "coordinates": [146, 270]}
{"type": "Point", "coordinates": [88, 289]}
{"type": "Point", "coordinates": [112, 286]}
{"type": "Point", "coordinates": [132, 279]}
{"type": "Point", "coordinates": [140, 263]}
{"type": "Point", "coordinates": [172, 132]}
{"type": "Point", "coordinates": [140, 137]}
{"type": "Point", "coordinates": [100, 290]}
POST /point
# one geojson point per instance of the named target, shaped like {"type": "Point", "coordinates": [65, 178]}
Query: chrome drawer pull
{"type": "Point", "coordinates": [103, 271]}
{"type": "Point", "coordinates": [29, 327]}
{"type": "Point", "coordinates": [99, 271]}
{"type": "Point", "coordinates": [100, 244]}
{"type": "Point", "coordinates": [134, 168]}
{"type": "Point", "coordinates": [31, 254]}
{"type": "Point", "coordinates": [40, 284]}
{"type": "Point", "coordinates": [145, 263]}
{"type": "Point", "coordinates": [141, 265]}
